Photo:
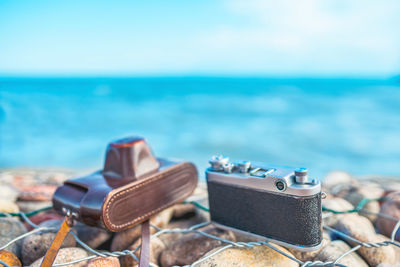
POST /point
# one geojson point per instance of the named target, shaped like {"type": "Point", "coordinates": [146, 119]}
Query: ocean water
{"type": "Point", "coordinates": [322, 124]}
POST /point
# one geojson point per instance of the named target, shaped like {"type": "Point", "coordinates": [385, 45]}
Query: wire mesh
{"type": "Point", "coordinates": [229, 244]}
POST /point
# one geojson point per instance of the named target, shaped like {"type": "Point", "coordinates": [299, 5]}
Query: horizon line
{"type": "Point", "coordinates": [219, 76]}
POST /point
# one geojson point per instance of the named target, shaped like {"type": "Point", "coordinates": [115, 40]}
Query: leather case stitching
{"type": "Point", "coordinates": [107, 219]}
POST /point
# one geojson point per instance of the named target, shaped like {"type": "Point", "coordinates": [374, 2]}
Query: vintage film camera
{"type": "Point", "coordinates": [279, 203]}
{"type": "Point", "coordinates": [132, 187]}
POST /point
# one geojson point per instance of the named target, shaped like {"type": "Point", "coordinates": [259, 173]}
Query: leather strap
{"type": "Point", "coordinates": [145, 246]}
{"type": "Point", "coordinates": [56, 244]}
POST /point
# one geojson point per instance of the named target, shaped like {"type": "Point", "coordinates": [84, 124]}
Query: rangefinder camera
{"type": "Point", "coordinates": [132, 186]}
{"type": "Point", "coordinates": [279, 203]}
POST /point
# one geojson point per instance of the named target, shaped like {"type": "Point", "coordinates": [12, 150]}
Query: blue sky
{"type": "Point", "coordinates": [207, 37]}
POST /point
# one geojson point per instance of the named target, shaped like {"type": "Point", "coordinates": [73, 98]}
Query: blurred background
{"type": "Point", "coordinates": [310, 83]}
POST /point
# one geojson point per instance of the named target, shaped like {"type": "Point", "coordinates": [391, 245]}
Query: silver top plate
{"type": "Point", "coordinates": [262, 176]}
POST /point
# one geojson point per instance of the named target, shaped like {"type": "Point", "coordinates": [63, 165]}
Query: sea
{"type": "Point", "coordinates": [321, 124]}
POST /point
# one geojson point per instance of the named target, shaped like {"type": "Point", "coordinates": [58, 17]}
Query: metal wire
{"type": "Point", "coordinates": [229, 244]}
{"type": "Point", "coordinates": [3, 263]}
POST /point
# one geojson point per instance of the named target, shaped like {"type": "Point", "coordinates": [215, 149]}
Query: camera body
{"type": "Point", "coordinates": [279, 203]}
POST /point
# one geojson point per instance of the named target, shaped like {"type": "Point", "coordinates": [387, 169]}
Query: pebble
{"type": "Point", "coordinates": [125, 238]}
{"type": "Point", "coordinates": [6, 177]}
{"type": "Point", "coordinates": [390, 207]}
{"type": "Point", "coordinates": [42, 217]}
{"type": "Point", "coordinates": [389, 185]}
{"type": "Point", "coordinates": [335, 249]}
{"type": "Point", "coordinates": [338, 204]}
{"type": "Point", "coordinates": [376, 256]}
{"type": "Point", "coordinates": [67, 255]}
{"type": "Point", "coordinates": [355, 194]}
{"type": "Point", "coordinates": [310, 255]}
{"type": "Point", "coordinates": [180, 224]}
{"type": "Point", "coordinates": [192, 247]}
{"type": "Point", "coordinates": [8, 206]}
{"type": "Point", "coordinates": [36, 245]}
{"type": "Point", "coordinates": [356, 226]}
{"type": "Point", "coordinates": [92, 236]}
{"type": "Point", "coordinates": [163, 218]}
{"type": "Point", "coordinates": [156, 247]}
{"type": "Point", "coordinates": [11, 228]}
{"type": "Point", "coordinates": [29, 206]}
{"type": "Point", "coordinates": [362, 229]}
{"type": "Point", "coordinates": [23, 179]}
{"type": "Point", "coordinates": [104, 262]}
{"type": "Point", "coordinates": [336, 178]}
{"type": "Point", "coordinates": [54, 176]}
{"type": "Point", "coordinates": [8, 192]}
{"type": "Point", "coordinates": [204, 215]}
{"type": "Point", "coordinates": [258, 256]}
{"type": "Point", "coordinates": [183, 211]}
{"type": "Point", "coordinates": [9, 258]}
{"type": "Point", "coordinates": [37, 193]}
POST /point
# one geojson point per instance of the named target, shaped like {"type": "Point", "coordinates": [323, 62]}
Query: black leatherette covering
{"type": "Point", "coordinates": [290, 219]}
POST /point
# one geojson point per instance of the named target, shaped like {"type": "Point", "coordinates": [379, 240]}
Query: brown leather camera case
{"type": "Point", "coordinates": [132, 187]}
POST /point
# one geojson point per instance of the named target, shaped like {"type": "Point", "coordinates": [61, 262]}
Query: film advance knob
{"type": "Point", "coordinates": [301, 175]}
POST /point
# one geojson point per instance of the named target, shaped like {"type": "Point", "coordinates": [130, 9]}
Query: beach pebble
{"type": "Point", "coordinates": [37, 193]}
{"type": "Point", "coordinates": [356, 226]}
{"type": "Point", "coordinates": [8, 206]}
{"type": "Point", "coordinates": [36, 245]}
{"type": "Point", "coordinates": [337, 204]}
{"type": "Point", "coordinates": [22, 180]}
{"type": "Point", "coordinates": [180, 224]}
{"type": "Point", "coordinates": [163, 218]}
{"type": "Point", "coordinates": [258, 256]}
{"type": "Point", "coordinates": [42, 217]}
{"type": "Point", "coordinates": [355, 194]}
{"type": "Point", "coordinates": [29, 206]}
{"type": "Point", "coordinates": [335, 249]}
{"type": "Point", "coordinates": [191, 247]}
{"type": "Point", "coordinates": [156, 247]}
{"type": "Point", "coordinates": [6, 178]}
{"type": "Point", "coordinates": [104, 262]}
{"type": "Point", "coordinates": [66, 255]}
{"type": "Point", "coordinates": [310, 255]}
{"type": "Point", "coordinates": [125, 238]}
{"type": "Point", "coordinates": [11, 228]}
{"type": "Point", "coordinates": [377, 256]}
{"type": "Point", "coordinates": [8, 192]}
{"type": "Point", "coordinates": [362, 229]}
{"type": "Point", "coordinates": [390, 185]}
{"type": "Point", "coordinates": [54, 176]}
{"type": "Point", "coordinates": [92, 236]}
{"type": "Point", "coordinates": [335, 178]}
{"type": "Point", "coordinates": [9, 258]}
{"type": "Point", "coordinates": [390, 207]}
{"type": "Point", "coordinates": [183, 211]}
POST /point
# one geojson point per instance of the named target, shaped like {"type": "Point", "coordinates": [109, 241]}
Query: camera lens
{"type": "Point", "coordinates": [280, 185]}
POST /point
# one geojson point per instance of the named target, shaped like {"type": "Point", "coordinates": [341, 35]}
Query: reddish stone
{"type": "Point", "coordinates": [42, 217]}
{"type": "Point", "coordinates": [102, 262]}
{"type": "Point", "coordinates": [37, 193]}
